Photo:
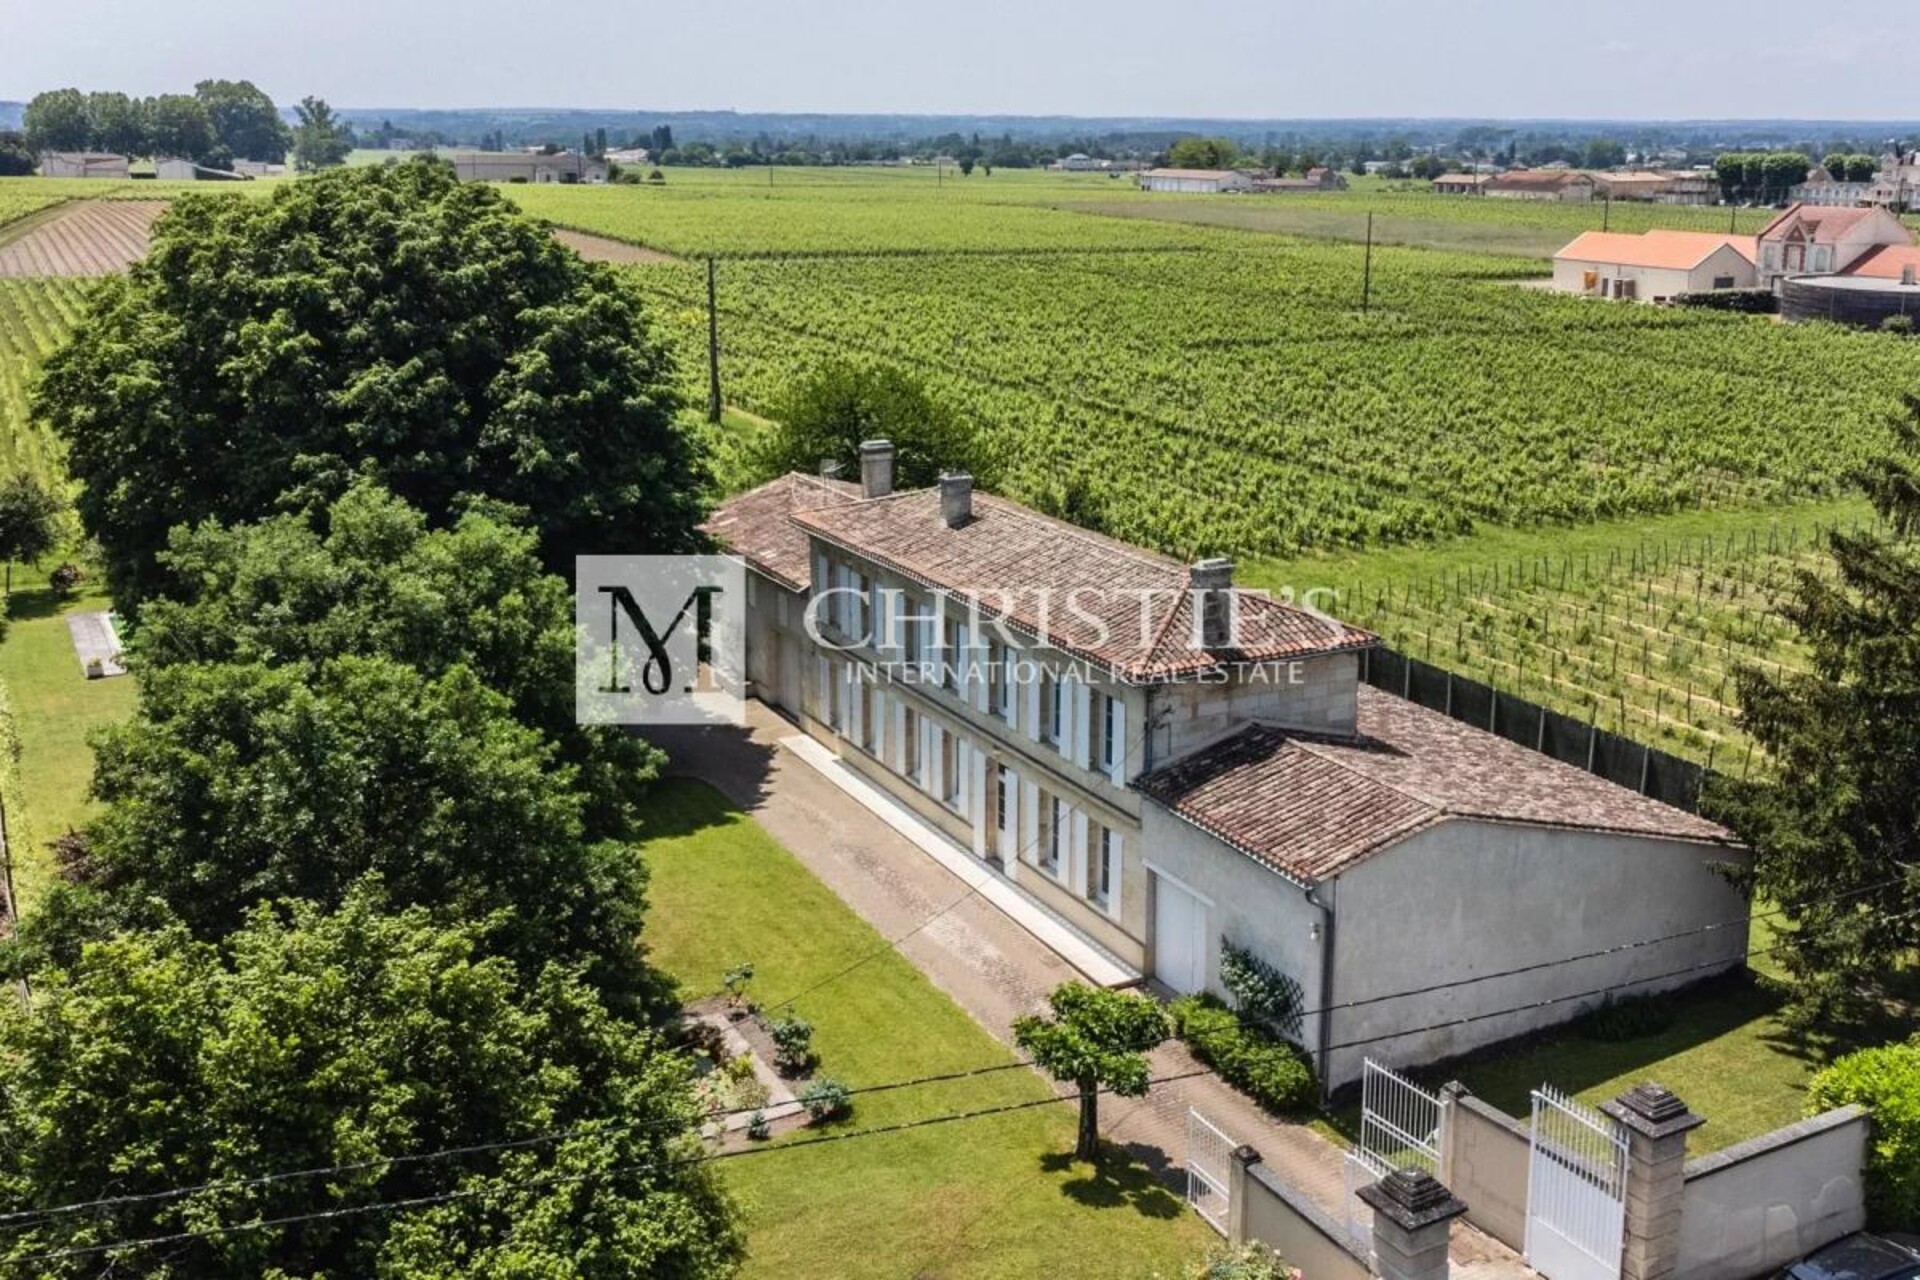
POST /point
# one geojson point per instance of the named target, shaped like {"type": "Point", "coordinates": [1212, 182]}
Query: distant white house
{"type": "Point", "coordinates": [1078, 162]}
{"type": "Point", "coordinates": [1822, 188]}
{"type": "Point", "coordinates": [1655, 266]}
{"type": "Point", "coordinates": [1461, 184]}
{"type": "Point", "coordinates": [629, 156]}
{"type": "Point", "coordinates": [1567, 186]}
{"type": "Point", "coordinates": [526, 166]}
{"type": "Point", "coordinates": [1897, 184]}
{"type": "Point", "coordinates": [83, 164]}
{"type": "Point", "coordinates": [1195, 181]}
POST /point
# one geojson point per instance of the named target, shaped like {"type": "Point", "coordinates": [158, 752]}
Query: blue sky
{"type": "Point", "coordinates": [1633, 59]}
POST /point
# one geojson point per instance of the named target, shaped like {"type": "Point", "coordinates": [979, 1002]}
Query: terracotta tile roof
{"type": "Point", "coordinates": [1011, 561]}
{"type": "Point", "coordinates": [1674, 250]}
{"type": "Point", "coordinates": [1826, 223]}
{"type": "Point", "coordinates": [756, 525]}
{"type": "Point", "coordinates": [1885, 261]}
{"type": "Point", "coordinates": [1311, 806]}
{"type": "Point", "coordinates": [1528, 178]}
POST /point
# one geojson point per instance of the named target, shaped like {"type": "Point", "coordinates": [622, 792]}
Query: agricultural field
{"type": "Point", "coordinates": [1593, 506]}
{"type": "Point", "coordinates": [81, 238]}
{"type": "Point", "coordinates": [1638, 625]}
{"type": "Point", "coordinates": [35, 317]}
{"type": "Point", "coordinates": [1234, 398]}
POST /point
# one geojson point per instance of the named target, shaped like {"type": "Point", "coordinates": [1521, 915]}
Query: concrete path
{"type": "Point", "coordinates": [96, 644]}
{"type": "Point", "coordinates": [986, 962]}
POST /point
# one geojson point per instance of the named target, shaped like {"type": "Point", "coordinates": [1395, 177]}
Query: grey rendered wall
{"type": "Point", "coordinates": [1469, 898]}
{"type": "Point", "coordinates": [1247, 902]}
{"type": "Point", "coordinates": [1484, 1162]}
{"type": "Point", "coordinates": [1314, 693]}
{"type": "Point", "coordinates": [1754, 1207]}
{"type": "Point", "coordinates": [1297, 1229]}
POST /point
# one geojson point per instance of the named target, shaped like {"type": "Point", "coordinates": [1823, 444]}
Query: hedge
{"type": "Point", "coordinates": [1270, 1071]}
{"type": "Point", "coordinates": [1886, 1081]}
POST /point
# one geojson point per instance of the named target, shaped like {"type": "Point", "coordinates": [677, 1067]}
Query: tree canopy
{"type": "Point", "coordinates": [245, 120]}
{"type": "Point", "coordinates": [30, 521]}
{"type": "Point", "coordinates": [319, 140]}
{"type": "Point", "coordinates": [356, 1038]}
{"type": "Point", "coordinates": [1835, 823]}
{"type": "Point", "coordinates": [1202, 153]}
{"type": "Point", "coordinates": [1096, 1039]}
{"type": "Point", "coordinates": [826, 416]}
{"type": "Point", "coordinates": [385, 321]}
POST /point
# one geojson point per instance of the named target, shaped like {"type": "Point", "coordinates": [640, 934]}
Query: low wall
{"type": "Point", "coordinates": [1286, 1221]}
{"type": "Point", "coordinates": [1484, 1162]}
{"type": "Point", "coordinates": [1753, 1207]}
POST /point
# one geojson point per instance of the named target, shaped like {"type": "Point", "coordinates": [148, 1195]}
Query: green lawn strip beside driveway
{"type": "Point", "coordinates": [993, 1197]}
{"type": "Point", "coordinates": [55, 710]}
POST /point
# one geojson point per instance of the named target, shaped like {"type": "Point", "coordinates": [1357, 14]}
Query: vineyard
{"type": "Point", "coordinates": [81, 238]}
{"type": "Point", "coordinates": [1641, 637]}
{"type": "Point", "coordinates": [35, 316]}
{"type": "Point", "coordinates": [1235, 398]}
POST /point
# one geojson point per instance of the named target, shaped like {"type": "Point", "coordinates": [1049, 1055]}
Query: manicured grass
{"type": "Point", "coordinates": [55, 709]}
{"type": "Point", "coordinates": [992, 1197]}
{"type": "Point", "coordinates": [1726, 1053]}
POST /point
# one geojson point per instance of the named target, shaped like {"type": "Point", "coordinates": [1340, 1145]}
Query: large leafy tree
{"type": "Point", "coordinates": [1202, 153]}
{"type": "Point", "coordinates": [244, 119]}
{"type": "Point", "coordinates": [319, 140]}
{"type": "Point", "coordinates": [57, 120]}
{"type": "Point", "coordinates": [236, 783]}
{"type": "Point", "coordinates": [385, 321]}
{"type": "Point", "coordinates": [1095, 1040]}
{"type": "Point", "coordinates": [178, 126]}
{"type": "Point", "coordinates": [359, 1039]}
{"type": "Point", "coordinates": [826, 416]}
{"type": "Point", "coordinates": [1835, 824]}
{"type": "Point", "coordinates": [118, 123]}
{"type": "Point", "coordinates": [366, 576]}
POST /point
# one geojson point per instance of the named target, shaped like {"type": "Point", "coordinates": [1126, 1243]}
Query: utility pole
{"type": "Point", "coordinates": [713, 347]}
{"type": "Point", "coordinates": [1366, 279]}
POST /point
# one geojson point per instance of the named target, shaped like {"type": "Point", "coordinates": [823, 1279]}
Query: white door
{"type": "Point", "coordinates": [1179, 937]}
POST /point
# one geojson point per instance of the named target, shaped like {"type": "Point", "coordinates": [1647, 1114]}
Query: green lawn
{"type": "Point", "coordinates": [55, 709]}
{"type": "Point", "coordinates": [1726, 1053]}
{"type": "Point", "coordinates": [981, 1198]}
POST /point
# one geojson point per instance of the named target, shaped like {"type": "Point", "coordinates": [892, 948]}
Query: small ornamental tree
{"type": "Point", "coordinates": [30, 516]}
{"type": "Point", "coordinates": [1095, 1040]}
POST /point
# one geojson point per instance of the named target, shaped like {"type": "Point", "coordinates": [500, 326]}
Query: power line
{"type": "Point", "coordinates": [877, 1131]}
{"type": "Point", "coordinates": [180, 1237]}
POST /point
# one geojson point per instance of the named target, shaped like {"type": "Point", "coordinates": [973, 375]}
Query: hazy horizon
{"type": "Point", "coordinates": [1639, 60]}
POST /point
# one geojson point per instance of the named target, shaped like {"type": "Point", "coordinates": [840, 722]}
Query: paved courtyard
{"type": "Point", "coordinates": [988, 964]}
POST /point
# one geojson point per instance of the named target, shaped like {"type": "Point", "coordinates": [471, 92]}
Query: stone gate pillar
{"type": "Point", "coordinates": [1657, 1124]}
{"type": "Point", "coordinates": [1413, 1217]}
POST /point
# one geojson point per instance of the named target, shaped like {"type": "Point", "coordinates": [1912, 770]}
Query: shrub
{"type": "Point", "coordinates": [1269, 1070]}
{"type": "Point", "coordinates": [1262, 993]}
{"type": "Point", "coordinates": [825, 1099]}
{"type": "Point", "coordinates": [1886, 1081]}
{"type": "Point", "coordinates": [1614, 1020]}
{"type": "Point", "coordinates": [735, 980]}
{"type": "Point", "coordinates": [1249, 1261]}
{"type": "Point", "coordinates": [65, 578]}
{"type": "Point", "coordinates": [792, 1044]}
{"type": "Point", "coordinates": [1754, 302]}
{"type": "Point", "coordinates": [1902, 325]}
{"type": "Point", "coordinates": [759, 1128]}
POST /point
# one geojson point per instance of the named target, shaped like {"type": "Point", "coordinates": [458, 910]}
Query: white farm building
{"type": "Point", "coordinates": [1195, 181]}
{"type": "Point", "coordinates": [1654, 266]}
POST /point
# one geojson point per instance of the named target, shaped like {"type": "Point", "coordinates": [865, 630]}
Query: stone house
{"type": "Point", "coordinates": [526, 166]}
{"type": "Point", "coordinates": [1166, 762]}
{"type": "Point", "coordinates": [1818, 241]}
{"type": "Point", "coordinates": [1568, 186]}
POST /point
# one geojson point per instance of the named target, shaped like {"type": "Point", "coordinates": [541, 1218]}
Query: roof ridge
{"type": "Point", "coordinates": [1315, 745]}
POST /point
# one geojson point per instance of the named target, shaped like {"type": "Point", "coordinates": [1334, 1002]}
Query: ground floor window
{"type": "Point", "coordinates": [1100, 867]}
{"type": "Point", "coordinates": [910, 744]}
{"type": "Point", "coordinates": [1003, 783]}
{"type": "Point", "coordinates": [950, 776]}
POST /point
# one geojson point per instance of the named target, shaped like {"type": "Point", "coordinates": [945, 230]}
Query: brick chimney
{"type": "Point", "coordinates": [876, 467]}
{"type": "Point", "coordinates": [1211, 582]}
{"type": "Point", "coordinates": [956, 498]}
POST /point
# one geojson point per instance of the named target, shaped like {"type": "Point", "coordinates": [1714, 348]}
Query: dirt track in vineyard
{"type": "Point", "coordinates": [84, 238]}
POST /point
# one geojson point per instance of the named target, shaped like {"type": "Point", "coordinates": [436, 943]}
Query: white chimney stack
{"type": "Point", "coordinates": [1211, 582]}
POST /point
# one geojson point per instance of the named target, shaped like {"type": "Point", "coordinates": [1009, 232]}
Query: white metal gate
{"type": "Point", "coordinates": [1576, 1190]}
{"type": "Point", "coordinates": [1400, 1128]}
{"type": "Point", "coordinates": [1208, 1153]}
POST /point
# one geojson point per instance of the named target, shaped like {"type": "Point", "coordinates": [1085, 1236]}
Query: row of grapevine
{"type": "Point", "coordinates": [35, 317]}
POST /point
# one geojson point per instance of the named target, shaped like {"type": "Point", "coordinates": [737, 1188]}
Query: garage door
{"type": "Point", "coordinates": [1179, 936]}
